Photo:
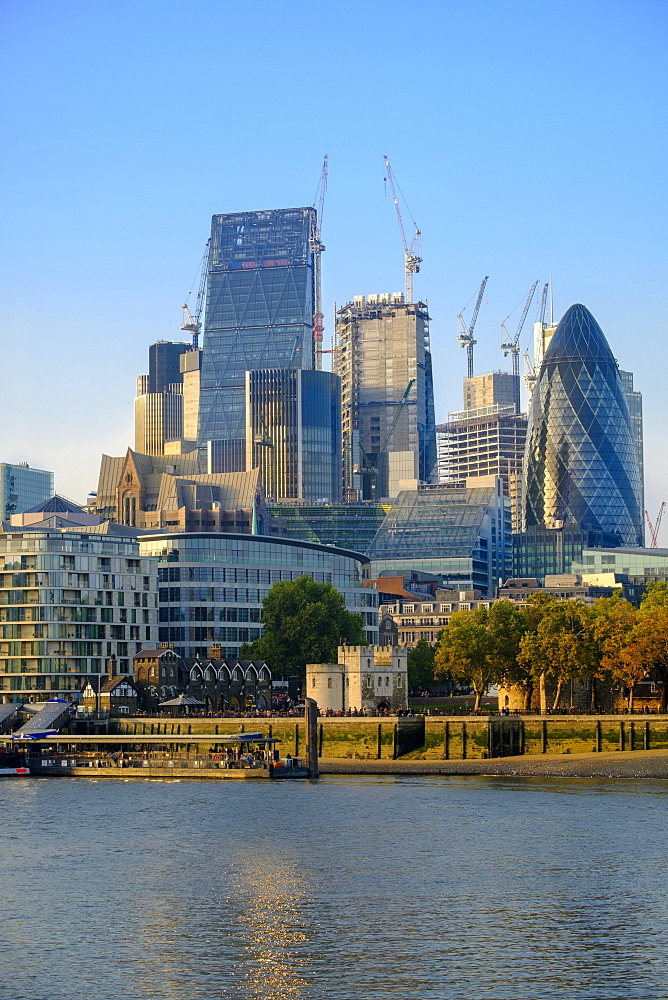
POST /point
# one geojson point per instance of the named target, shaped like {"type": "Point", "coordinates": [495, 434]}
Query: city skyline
{"type": "Point", "coordinates": [559, 177]}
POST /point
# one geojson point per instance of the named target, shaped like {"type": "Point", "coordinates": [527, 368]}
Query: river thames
{"type": "Point", "coordinates": [351, 888]}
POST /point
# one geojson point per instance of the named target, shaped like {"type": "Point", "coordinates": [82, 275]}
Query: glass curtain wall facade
{"type": "Point", "coordinates": [212, 586]}
{"type": "Point", "coordinates": [164, 364]}
{"type": "Point", "coordinates": [634, 400]}
{"type": "Point", "coordinates": [345, 525]}
{"type": "Point", "coordinates": [293, 433]}
{"type": "Point", "coordinates": [22, 488]}
{"type": "Point", "coordinates": [581, 463]}
{"type": "Point", "coordinates": [461, 536]}
{"type": "Point", "coordinates": [259, 314]}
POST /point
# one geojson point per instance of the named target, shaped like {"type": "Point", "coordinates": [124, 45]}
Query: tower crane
{"type": "Point", "coordinates": [465, 336]}
{"type": "Point", "coordinates": [193, 324]}
{"type": "Point", "coordinates": [317, 249]}
{"type": "Point", "coordinates": [531, 368]}
{"type": "Point", "coordinates": [654, 528]}
{"type": "Point", "coordinates": [412, 251]}
{"type": "Point", "coordinates": [513, 346]}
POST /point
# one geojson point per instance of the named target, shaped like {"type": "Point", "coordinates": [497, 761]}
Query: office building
{"type": "Point", "coordinates": [539, 551]}
{"type": "Point", "coordinates": [382, 354]}
{"type": "Point", "coordinates": [158, 418]}
{"type": "Point", "coordinates": [293, 432]}
{"type": "Point", "coordinates": [345, 525]}
{"type": "Point", "coordinates": [159, 403]}
{"type": "Point", "coordinates": [634, 401]}
{"type": "Point", "coordinates": [581, 464]}
{"type": "Point", "coordinates": [22, 487]}
{"type": "Point", "coordinates": [459, 535]}
{"type": "Point", "coordinates": [411, 619]}
{"type": "Point", "coordinates": [70, 600]}
{"type": "Point", "coordinates": [212, 585]}
{"type": "Point", "coordinates": [487, 441]}
{"type": "Point", "coordinates": [164, 364]}
{"type": "Point", "coordinates": [492, 389]}
{"type": "Point", "coordinates": [259, 315]}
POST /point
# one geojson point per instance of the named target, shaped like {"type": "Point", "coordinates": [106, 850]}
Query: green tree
{"type": "Point", "coordinates": [530, 664]}
{"type": "Point", "coordinates": [652, 629]}
{"type": "Point", "coordinates": [506, 624]}
{"type": "Point", "coordinates": [421, 665]}
{"type": "Point", "coordinates": [561, 645]}
{"type": "Point", "coordinates": [465, 651]}
{"type": "Point", "coordinates": [303, 622]}
{"type": "Point", "coordinates": [615, 629]}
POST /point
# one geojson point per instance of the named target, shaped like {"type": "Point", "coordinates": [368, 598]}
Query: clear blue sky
{"type": "Point", "coordinates": [529, 139]}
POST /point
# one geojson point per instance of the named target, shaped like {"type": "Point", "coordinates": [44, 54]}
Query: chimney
{"type": "Point", "coordinates": [111, 666]}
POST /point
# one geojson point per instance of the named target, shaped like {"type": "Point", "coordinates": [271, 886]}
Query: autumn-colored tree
{"type": "Point", "coordinates": [615, 622]}
{"type": "Point", "coordinates": [645, 646]}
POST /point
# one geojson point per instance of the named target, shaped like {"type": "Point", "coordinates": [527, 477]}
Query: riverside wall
{"type": "Point", "coordinates": [432, 738]}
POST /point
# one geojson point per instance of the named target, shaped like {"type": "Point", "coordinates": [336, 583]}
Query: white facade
{"type": "Point", "coordinates": [366, 677]}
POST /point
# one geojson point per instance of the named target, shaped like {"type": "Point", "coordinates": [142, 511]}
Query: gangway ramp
{"type": "Point", "coordinates": [8, 714]}
{"type": "Point", "coordinates": [48, 720]}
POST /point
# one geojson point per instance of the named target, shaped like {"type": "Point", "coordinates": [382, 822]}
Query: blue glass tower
{"type": "Point", "coordinates": [259, 315]}
{"type": "Point", "coordinates": [581, 461]}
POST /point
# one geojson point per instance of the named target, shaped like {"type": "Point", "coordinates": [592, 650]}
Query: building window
{"type": "Point", "coordinates": [329, 682]}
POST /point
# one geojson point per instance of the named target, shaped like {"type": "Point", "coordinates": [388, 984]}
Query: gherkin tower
{"type": "Point", "coordinates": [581, 463]}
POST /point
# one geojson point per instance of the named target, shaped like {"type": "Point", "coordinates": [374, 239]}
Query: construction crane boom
{"type": "Point", "coordinates": [465, 336]}
{"type": "Point", "coordinates": [654, 528]}
{"type": "Point", "coordinates": [317, 249]}
{"type": "Point", "coordinates": [193, 324]}
{"type": "Point", "coordinates": [412, 251]}
{"type": "Point", "coordinates": [513, 346]}
{"type": "Point", "coordinates": [532, 367]}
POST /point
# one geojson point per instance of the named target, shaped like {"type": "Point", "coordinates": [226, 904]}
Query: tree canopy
{"type": "Point", "coordinates": [303, 622]}
{"type": "Point", "coordinates": [559, 641]}
{"type": "Point", "coordinates": [421, 665]}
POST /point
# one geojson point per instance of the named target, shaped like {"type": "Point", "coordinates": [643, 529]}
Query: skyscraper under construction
{"type": "Point", "coordinates": [382, 354]}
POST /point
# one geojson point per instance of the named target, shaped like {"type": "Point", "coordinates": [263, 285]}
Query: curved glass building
{"type": "Point", "coordinates": [211, 585]}
{"type": "Point", "coordinates": [581, 462]}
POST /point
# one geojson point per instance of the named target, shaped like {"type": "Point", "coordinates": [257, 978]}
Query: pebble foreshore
{"type": "Point", "coordinates": [647, 764]}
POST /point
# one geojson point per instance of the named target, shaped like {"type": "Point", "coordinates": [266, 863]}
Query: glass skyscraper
{"type": "Point", "coordinates": [293, 432]}
{"type": "Point", "coordinates": [22, 487]}
{"type": "Point", "coordinates": [581, 464]}
{"type": "Point", "coordinates": [259, 315]}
